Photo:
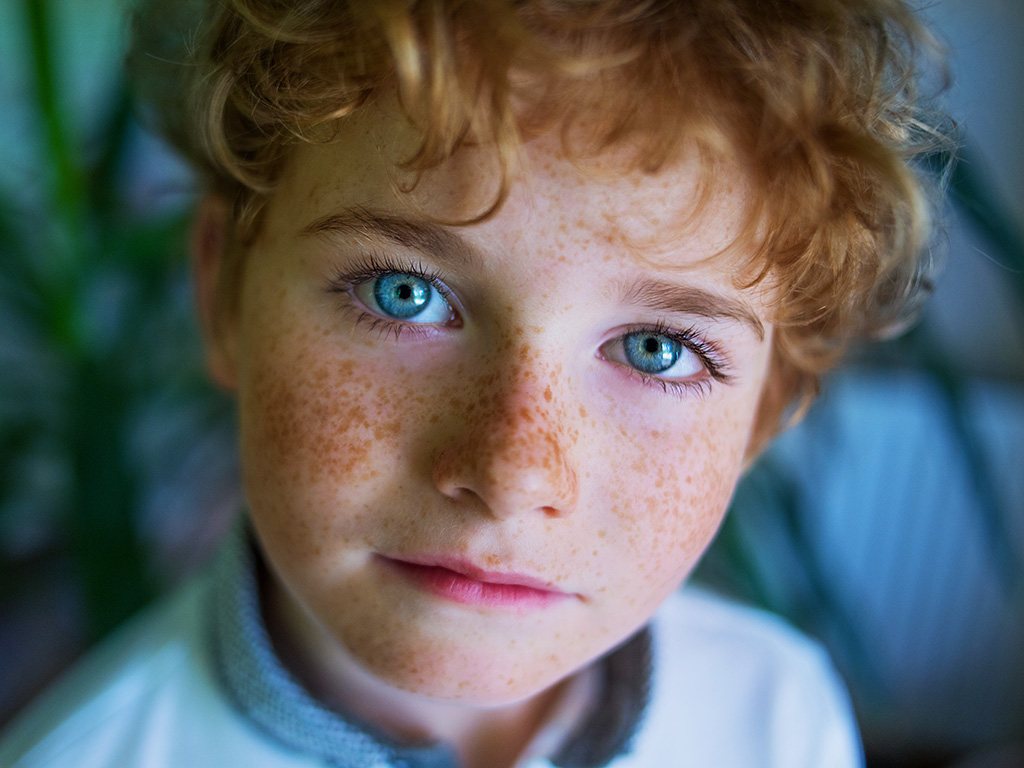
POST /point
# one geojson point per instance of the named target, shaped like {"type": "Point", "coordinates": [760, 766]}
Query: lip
{"type": "Point", "coordinates": [461, 582]}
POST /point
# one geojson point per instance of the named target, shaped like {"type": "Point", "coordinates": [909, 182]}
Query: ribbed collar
{"type": "Point", "coordinates": [262, 690]}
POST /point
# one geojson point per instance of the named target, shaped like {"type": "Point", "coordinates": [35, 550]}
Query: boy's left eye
{"type": "Point", "coordinates": [654, 354]}
{"type": "Point", "coordinates": [404, 296]}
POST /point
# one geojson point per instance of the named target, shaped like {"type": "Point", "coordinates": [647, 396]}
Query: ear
{"type": "Point", "coordinates": [776, 393]}
{"type": "Point", "coordinates": [210, 244]}
{"type": "Point", "coordinates": [788, 393]}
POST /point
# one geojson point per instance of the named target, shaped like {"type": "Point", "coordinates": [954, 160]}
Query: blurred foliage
{"type": "Point", "coordinates": [102, 396]}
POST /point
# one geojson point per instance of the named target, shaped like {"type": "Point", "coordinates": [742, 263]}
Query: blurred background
{"type": "Point", "coordinates": [890, 524]}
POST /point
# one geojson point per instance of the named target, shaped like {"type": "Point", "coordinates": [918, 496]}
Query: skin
{"type": "Point", "coordinates": [514, 438]}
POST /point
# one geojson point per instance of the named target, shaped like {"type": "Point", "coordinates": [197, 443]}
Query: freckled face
{"type": "Point", "coordinates": [549, 416]}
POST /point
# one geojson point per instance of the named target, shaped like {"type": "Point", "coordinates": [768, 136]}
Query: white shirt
{"type": "Point", "coordinates": [732, 688]}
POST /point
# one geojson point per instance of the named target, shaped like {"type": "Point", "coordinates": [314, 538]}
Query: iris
{"type": "Point", "coordinates": [401, 295]}
{"type": "Point", "coordinates": [651, 352]}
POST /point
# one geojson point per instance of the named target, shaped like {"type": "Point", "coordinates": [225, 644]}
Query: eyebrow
{"type": "Point", "coordinates": [442, 244]}
{"type": "Point", "coordinates": [662, 296]}
{"type": "Point", "coordinates": [423, 236]}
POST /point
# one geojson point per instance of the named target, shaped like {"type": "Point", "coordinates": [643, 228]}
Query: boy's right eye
{"type": "Point", "coordinates": [405, 297]}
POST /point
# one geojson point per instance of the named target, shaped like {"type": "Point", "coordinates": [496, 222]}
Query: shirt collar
{"type": "Point", "coordinates": [593, 722]}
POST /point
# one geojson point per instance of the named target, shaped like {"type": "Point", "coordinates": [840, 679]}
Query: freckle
{"type": "Point", "coordinates": [602, 533]}
{"type": "Point", "coordinates": [689, 480]}
{"type": "Point", "coordinates": [547, 394]}
{"type": "Point", "coordinates": [583, 412]}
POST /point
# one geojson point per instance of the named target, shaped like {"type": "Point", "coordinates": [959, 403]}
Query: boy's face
{"type": "Point", "coordinates": [481, 456]}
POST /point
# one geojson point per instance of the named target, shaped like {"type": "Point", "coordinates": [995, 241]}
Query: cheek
{"type": "Point", "coordinates": [670, 491]}
{"type": "Point", "coordinates": [319, 429]}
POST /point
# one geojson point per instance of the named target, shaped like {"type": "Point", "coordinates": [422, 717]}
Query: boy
{"type": "Point", "coordinates": [509, 295]}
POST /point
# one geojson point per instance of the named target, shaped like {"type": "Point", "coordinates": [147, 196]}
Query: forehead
{"type": "Point", "coordinates": [670, 220]}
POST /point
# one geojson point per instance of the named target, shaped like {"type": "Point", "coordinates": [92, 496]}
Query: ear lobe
{"type": "Point", "coordinates": [210, 244]}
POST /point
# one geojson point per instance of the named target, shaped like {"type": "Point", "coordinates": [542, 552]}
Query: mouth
{"type": "Point", "coordinates": [464, 583]}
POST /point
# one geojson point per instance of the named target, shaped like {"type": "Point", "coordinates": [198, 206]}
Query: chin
{"type": "Point", "coordinates": [472, 672]}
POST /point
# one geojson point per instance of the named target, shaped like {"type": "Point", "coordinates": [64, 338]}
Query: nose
{"type": "Point", "coordinates": [513, 450]}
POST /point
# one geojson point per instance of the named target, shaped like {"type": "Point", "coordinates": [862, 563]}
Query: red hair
{"type": "Point", "coordinates": [816, 99]}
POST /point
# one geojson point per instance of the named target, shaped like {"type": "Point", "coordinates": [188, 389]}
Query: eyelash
{"type": "Point", "coordinates": [710, 356]}
{"type": "Point", "coordinates": [374, 265]}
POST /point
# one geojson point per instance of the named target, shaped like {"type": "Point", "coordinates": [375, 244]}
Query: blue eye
{"type": "Point", "coordinates": [651, 352]}
{"type": "Point", "coordinates": [655, 354]}
{"type": "Point", "coordinates": [404, 296]}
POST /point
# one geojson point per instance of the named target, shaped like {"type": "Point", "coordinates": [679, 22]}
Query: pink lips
{"type": "Point", "coordinates": [465, 583]}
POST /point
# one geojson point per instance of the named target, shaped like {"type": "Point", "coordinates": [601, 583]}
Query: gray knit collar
{"type": "Point", "coordinates": [263, 691]}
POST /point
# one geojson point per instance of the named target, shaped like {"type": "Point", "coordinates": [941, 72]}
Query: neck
{"type": "Point", "coordinates": [491, 737]}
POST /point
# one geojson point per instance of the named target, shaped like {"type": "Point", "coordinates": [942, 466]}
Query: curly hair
{"type": "Point", "coordinates": [818, 100]}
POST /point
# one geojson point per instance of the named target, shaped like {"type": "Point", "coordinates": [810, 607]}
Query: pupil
{"type": "Point", "coordinates": [405, 291]}
{"type": "Point", "coordinates": [651, 345]}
